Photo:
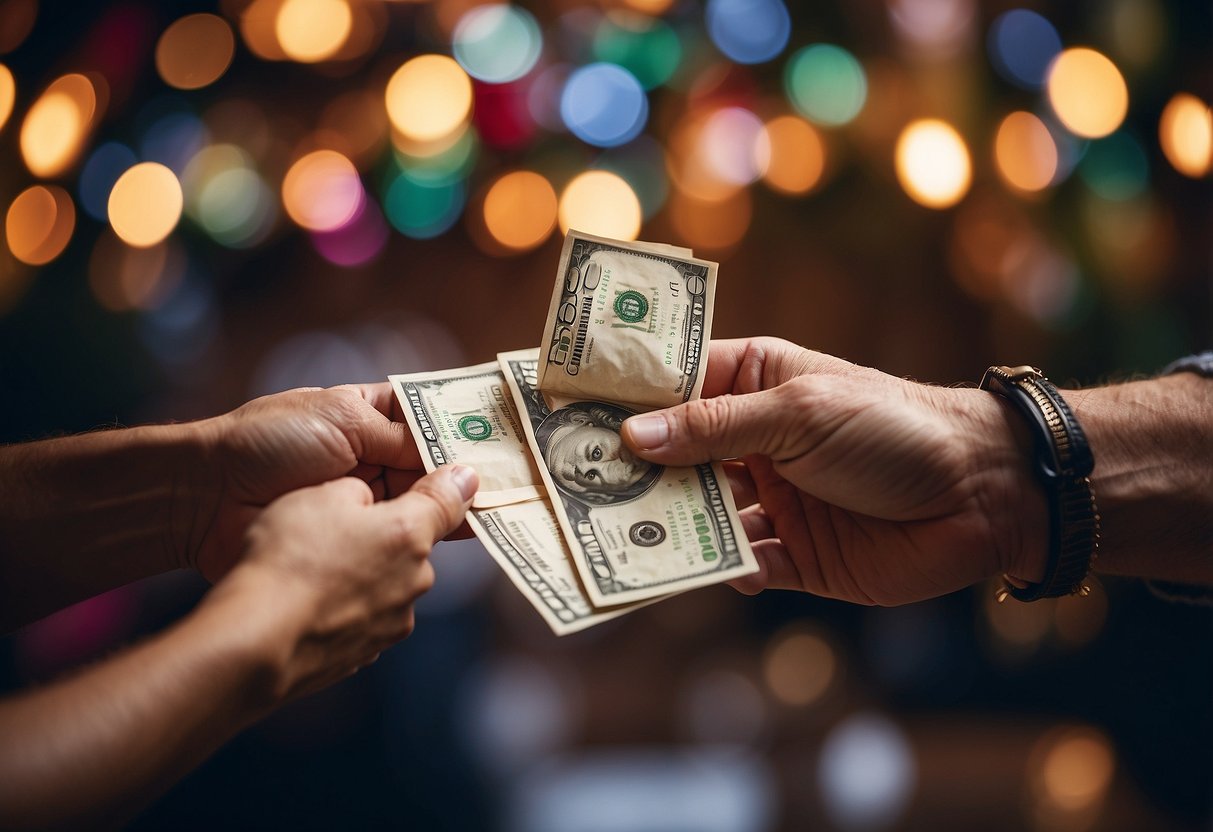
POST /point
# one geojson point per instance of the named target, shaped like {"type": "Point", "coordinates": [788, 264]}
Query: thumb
{"type": "Point", "coordinates": [718, 428]}
{"type": "Point", "coordinates": [435, 505]}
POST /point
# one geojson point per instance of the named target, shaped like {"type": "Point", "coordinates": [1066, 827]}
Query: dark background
{"type": "Point", "coordinates": [484, 720]}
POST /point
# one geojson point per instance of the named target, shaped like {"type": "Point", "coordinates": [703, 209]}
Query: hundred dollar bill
{"type": "Point", "coordinates": [466, 415]}
{"type": "Point", "coordinates": [526, 543]}
{"type": "Point", "coordinates": [636, 530]}
{"type": "Point", "coordinates": [627, 322]}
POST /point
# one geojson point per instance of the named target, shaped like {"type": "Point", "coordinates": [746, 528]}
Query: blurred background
{"type": "Point", "coordinates": [206, 202]}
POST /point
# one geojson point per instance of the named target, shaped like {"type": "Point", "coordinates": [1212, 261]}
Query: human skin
{"type": "Point", "coordinates": [874, 489]}
{"type": "Point", "coordinates": [308, 509]}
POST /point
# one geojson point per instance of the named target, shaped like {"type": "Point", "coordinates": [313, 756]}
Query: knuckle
{"type": "Point", "coordinates": [706, 419]}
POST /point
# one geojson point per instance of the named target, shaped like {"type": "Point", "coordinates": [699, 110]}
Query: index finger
{"type": "Point", "coordinates": [381, 397]}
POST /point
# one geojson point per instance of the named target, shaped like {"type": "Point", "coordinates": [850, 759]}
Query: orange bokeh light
{"type": "Point", "coordinates": [39, 224]}
{"type": "Point", "coordinates": [797, 156]}
{"type": "Point", "coordinates": [57, 124]}
{"type": "Point", "coordinates": [520, 210]}
{"type": "Point", "coordinates": [1087, 92]}
{"type": "Point", "coordinates": [322, 191]}
{"type": "Point", "coordinates": [145, 204]}
{"type": "Point", "coordinates": [195, 51]}
{"type": "Point", "coordinates": [1025, 152]}
{"type": "Point", "coordinates": [1185, 132]}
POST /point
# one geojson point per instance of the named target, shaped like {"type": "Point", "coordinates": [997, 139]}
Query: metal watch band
{"type": "Point", "coordinates": [1063, 464]}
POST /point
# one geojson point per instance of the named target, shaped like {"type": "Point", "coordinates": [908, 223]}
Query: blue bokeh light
{"type": "Point", "coordinates": [1022, 44]}
{"type": "Point", "coordinates": [97, 178]}
{"type": "Point", "coordinates": [604, 105]}
{"type": "Point", "coordinates": [173, 140]}
{"type": "Point", "coordinates": [749, 31]}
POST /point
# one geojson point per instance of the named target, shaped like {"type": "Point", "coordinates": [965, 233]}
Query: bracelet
{"type": "Point", "coordinates": [1063, 464]}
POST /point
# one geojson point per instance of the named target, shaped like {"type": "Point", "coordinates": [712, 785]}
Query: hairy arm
{"type": "Point", "coordinates": [84, 514]}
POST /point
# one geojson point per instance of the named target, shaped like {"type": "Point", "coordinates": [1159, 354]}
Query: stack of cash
{"type": "Point", "coordinates": [583, 528]}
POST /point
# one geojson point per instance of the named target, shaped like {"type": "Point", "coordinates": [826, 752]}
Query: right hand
{"type": "Point", "coordinates": [329, 576]}
{"type": "Point", "coordinates": [855, 484]}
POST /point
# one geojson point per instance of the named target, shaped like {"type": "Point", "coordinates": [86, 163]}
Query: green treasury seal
{"type": "Point", "coordinates": [475, 428]}
{"type": "Point", "coordinates": [631, 306]}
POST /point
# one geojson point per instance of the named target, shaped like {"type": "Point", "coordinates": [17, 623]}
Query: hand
{"type": "Point", "coordinates": [855, 484]}
{"type": "Point", "coordinates": [279, 443]}
{"type": "Point", "coordinates": [332, 575]}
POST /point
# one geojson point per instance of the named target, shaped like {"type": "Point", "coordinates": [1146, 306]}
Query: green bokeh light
{"type": "Point", "coordinates": [422, 209]}
{"type": "Point", "coordinates": [648, 48]}
{"type": "Point", "coordinates": [826, 83]}
{"type": "Point", "coordinates": [1116, 167]}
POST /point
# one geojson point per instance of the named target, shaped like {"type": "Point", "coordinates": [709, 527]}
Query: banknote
{"type": "Point", "coordinates": [466, 415]}
{"type": "Point", "coordinates": [526, 543]}
{"type": "Point", "coordinates": [628, 322]}
{"type": "Point", "coordinates": [636, 530]}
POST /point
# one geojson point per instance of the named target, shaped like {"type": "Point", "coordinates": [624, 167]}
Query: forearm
{"type": "Point", "coordinates": [84, 514]}
{"type": "Point", "coordinates": [1153, 477]}
{"type": "Point", "coordinates": [94, 749]}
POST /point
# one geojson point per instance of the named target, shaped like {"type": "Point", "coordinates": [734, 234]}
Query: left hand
{"type": "Point", "coordinates": [291, 440]}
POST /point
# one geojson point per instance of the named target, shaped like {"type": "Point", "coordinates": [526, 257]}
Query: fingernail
{"type": "Point", "coordinates": [465, 480]}
{"type": "Point", "coordinates": [648, 432]}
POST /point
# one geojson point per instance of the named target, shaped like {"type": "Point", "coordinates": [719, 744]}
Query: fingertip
{"type": "Point", "coordinates": [647, 432]}
{"type": "Point", "coordinates": [466, 480]}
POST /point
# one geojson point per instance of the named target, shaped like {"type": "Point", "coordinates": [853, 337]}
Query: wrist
{"type": "Point", "coordinates": [197, 479]}
{"type": "Point", "coordinates": [1009, 493]}
{"type": "Point", "coordinates": [267, 618]}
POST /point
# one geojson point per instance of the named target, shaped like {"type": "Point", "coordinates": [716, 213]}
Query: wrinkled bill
{"type": "Point", "coordinates": [636, 530]}
{"type": "Point", "coordinates": [465, 415]}
{"type": "Point", "coordinates": [628, 322]}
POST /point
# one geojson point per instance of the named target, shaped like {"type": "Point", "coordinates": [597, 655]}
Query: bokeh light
{"type": "Point", "coordinates": [313, 30]}
{"type": "Point", "coordinates": [1070, 772]}
{"type": "Point", "coordinates": [57, 125]}
{"type": "Point", "coordinates": [101, 170]}
{"type": "Point", "coordinates": [357, 243]}
{"type": "Point", "coordinates": [1115, 167]}
{"type": "Point", "coordinates": [172, 139]}
{"type": "Point", "coordinates": [259, 29]}
{"type": "Point", "coordinates": [145, 204]}
{"type": "Point", "coordinates": [938, 28]}
{"type": "Point", "coordinates": [866, 773]}
{"type": "Point", "coordinates": [226, 195]}
{"type": "Point", "coordinates": [1185, 132]}
{"type": "Point", "coordinates": [796, 158]}
{"type": "Point", "coordinates": [826, 84]}
{"type": "Point", "coordinates": [1024, 152]}
{"type": "Point", "coordinates": [1022, 44]}
{"type": "Point", "coordinates": [602, 203]}
{"type": "Point", "coordinates": [642, 164]}
{"type": "Point", "coordinates": [520, 210]}
{"type": "Point", "coordinates": [799, 666]}
{"type": "Point", "coordinates": [423, 207]}
{"type": "Point", "coordinates": [122, 277]}
{"type": "Point", "coordinates": [749, 31]}
{"type": "Point", "coordinates": [647, 47]}
{"type": "Point", "coordinates": [497, 43]}
{"type": "Point", "coordinates": [39, 224]}
{"type": "Point", "coordinates": [736, 147]}
{"type": "Point", "coordinates": [933, 163]}
{"type": "Point", "coordinates": [322, 191]}
{"type": "Point", "coordinates": [429, 98]}
{"type": "Point", "coordinates": [1087, 92]}
{"type": "Point", "coordinates": [17, 18]}
{"type": "Point", "coordinates": [195, 51]}
{"type": "Point", "coordinates": [711, 226]}
{"type": "Point", "coordinates": [604, 105]}
{"type": "Point", "coordinates": [8, 94]}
